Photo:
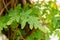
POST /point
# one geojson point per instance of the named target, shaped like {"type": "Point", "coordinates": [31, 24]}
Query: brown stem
{"type": "Point", "coordinates": [16, 2]}
{"type": "Point", "coordinates": [24, 2]}
{"type": "Point", "coordinates": [1, 6]}
{"type": "Point", "coordinates": [21, 37]}
{"type": "Point", "coordinates": [1, 12]}
{"type": "Point", "coordinates": [20, 34]}
{"type": "Point", "coordinates": [27, 29]}
{"type": "Point", "coordinates": [10, 33]}
{"type": "Point", "coordinates": [12, 3]}
{"type": "Point", "coordinates": [30, 32]}
{"type": "Point", "coordinates": [5, 6]}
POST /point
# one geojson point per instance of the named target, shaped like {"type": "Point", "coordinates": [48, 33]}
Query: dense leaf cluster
{"type": "Point", "coordinates": [32, 16]}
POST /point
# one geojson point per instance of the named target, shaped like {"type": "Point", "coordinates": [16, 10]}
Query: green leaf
{"type": "Point", "coordinates": [23, 23]}
{"type": "Point", "coordinates": [56, 22]}
{"type": "Point", "coordinates": [30, 21]}
{"type": "Point", "coordinates": [35, 11]}
{"type": "Point", "coordinates": [36, 35]}
{"type": "Point", "coordinates": [14, 24]}
{"type": "Point", "coordinates": [17, 18]}
{"type": "Point", "coordinates": [10, 21]}
{"type": "Point", "coordinates": [28, 12]}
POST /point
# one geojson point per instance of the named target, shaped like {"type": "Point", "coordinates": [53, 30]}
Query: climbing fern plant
{"type": "Point", "coordinates": [22, 16]}
{"type": "Point", "coordinates": [18, 18]}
